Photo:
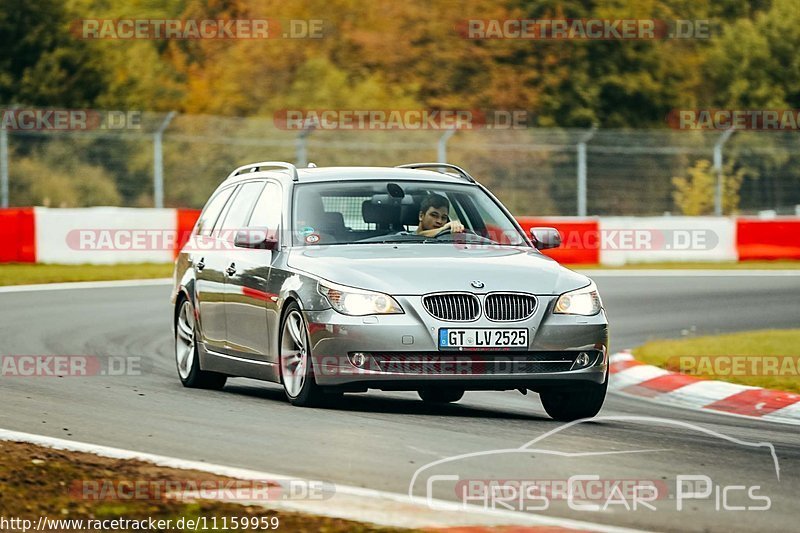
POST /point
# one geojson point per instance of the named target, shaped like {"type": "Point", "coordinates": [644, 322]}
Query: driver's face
{"type": "Point", "coordinates": [433, 218]}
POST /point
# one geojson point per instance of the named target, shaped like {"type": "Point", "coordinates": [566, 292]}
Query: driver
{"type": "Point", "coordinates": [433, 217]}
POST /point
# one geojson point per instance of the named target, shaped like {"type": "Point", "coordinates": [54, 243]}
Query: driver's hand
{"type": "Point", "coordinates": [454, 226]}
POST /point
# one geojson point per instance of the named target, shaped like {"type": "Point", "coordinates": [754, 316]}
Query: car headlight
{"type": "Point", "coordinates": [585, 301]}
{"type": "Point", "coordinates": [358, 302]}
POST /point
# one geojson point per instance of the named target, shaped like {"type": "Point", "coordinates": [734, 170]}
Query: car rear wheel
{"type": "Point", "coordinates": [297, 372]}
{"type": "Point", "coordinates": [575, 402]}
{"type": "Point", "coordinates": [440, 395]}
{"type": "Point", "coordinates": [186, 359]}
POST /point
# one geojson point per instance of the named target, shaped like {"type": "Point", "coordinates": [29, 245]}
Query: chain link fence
{"type": "Point", "coordinates": [533, 171]}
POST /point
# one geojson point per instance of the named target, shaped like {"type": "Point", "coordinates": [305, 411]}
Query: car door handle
{"type": "Point", "coordinates": [201, 264]}
{"type": "Point", "coordinates": [231, 270]}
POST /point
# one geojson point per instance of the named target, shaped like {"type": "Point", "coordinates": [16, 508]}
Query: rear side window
{"type": "Point", "coordinates": [211, 212]}
{"type": "Point", "coordinates": [240, 207]}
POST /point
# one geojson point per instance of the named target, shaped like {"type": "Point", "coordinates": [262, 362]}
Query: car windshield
{"type": "Point", "coordinates": [356, 212]}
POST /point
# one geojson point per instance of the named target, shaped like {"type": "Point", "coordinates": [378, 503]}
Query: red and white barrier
{"type": "Point", "coordinates": [768, 239]}
{"type": "Point", "coordinates": [104, 235]}
{"type": "Point", "coordinates": [95, 235]}
{"type": "Point", "coordinates": [17, 235]}
{"type": "Point", "coordinates": [667, 239]}
{"type": "Point", "coordinates": [616, 241]}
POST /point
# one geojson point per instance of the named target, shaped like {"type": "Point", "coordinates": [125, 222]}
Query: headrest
{"type": "Point", "coordinates": [332, 221]}
{"type": "Point", "coordinates": [410, 214]}
{"type": "Point", "coordinates": [310, 207]}
{"type": "Point", "coordinates": [378, 213]}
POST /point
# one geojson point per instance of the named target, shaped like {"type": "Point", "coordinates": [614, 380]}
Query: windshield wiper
{"type": "Point", "coordinates": [401, 241]}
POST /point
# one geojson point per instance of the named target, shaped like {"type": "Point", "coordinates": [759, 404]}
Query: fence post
{"type": "Point", "coordinates": [3, 167]}
{"type": "Point", "coordinates": [300, 146]}
{"type": "Point", "coordinates": [441, 152]}
{"type": "Point", "coordinates": [718, 169]}
{"type": "Point", "coordinates": [582, 170]}
{"type": "Point", "coordinates": [158, 161]}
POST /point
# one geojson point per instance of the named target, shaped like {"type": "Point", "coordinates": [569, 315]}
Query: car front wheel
{"type": "Point", "coordinates": [186, 358]}
{"type": "Point", "coordinates": [574, 402]}
{"type": "Point", "coordinates": [297, 372]}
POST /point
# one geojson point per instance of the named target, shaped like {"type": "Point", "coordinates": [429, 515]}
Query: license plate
{"type": "Point", "coordinates": [480, 338]}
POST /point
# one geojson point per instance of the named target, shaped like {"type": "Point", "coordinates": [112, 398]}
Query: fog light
{"type": "Point", "coordinates": [358, 359]}
{"type": "Point", "coordinates": [582, 360]}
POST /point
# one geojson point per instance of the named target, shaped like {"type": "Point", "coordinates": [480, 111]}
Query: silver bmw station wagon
{"type": "Point", "coordinates": [334, 280]}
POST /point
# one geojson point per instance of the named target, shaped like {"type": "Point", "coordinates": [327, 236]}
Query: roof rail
{"type": "Point", "coordinates": [255, 167]}
{"type": "Point", "coordinates": [463, 173]}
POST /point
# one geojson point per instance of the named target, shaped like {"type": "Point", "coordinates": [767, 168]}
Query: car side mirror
{"type": "Point", "coordinates": [545, 238]}
{"type": "Point", "coordinates": [255, 239]}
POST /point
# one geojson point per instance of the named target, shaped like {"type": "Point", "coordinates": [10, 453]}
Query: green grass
{"type": "Point", "coordinates": [761, 347]}
{"type": "Point", "coordinates": [783, 264]}
{"type": "Point", "coordinates": [24, 274]}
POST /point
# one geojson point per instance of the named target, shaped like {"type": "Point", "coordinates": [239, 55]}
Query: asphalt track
{"type": "Point", "coordinates": [379, 440]}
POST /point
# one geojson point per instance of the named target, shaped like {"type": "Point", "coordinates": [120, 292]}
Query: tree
{"type": "Point", "coordinates": [52, 176]}
{"type": "Point", "coordinates": [695, 194]}
{"type": "Point", "coordinates": [754, 63]}
{"type": "Point", "coordinates": [42, 64]}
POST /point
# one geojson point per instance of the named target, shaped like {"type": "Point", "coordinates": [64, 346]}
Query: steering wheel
{"type": "Point", "coordinates": [448, 231]}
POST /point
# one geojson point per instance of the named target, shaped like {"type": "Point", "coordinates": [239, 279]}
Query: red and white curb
{"type": "Point", "coordinates": [633, 378]}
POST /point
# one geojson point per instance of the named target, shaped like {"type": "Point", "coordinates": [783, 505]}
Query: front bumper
{"type": "Point", "coordinates": [402, 351]}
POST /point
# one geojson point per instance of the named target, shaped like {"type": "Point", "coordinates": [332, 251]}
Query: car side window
{"type": "Point", "coordinates": [211, 212]}
{"type": "Point", "coordinates": [267, 212]}
{"type": "Point", "coordinates": [240, 208]}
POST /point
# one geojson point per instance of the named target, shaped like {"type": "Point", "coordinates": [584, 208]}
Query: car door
{"type": "Point", "coordinates": [247, 296]}
{"type": "Point", "coordinates": [235, 219]}
{"type": "Point", "coordinates": [208, 262]}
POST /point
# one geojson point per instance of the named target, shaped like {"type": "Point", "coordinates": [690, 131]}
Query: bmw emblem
{"type": "Point", "coordinates": [477, 284]}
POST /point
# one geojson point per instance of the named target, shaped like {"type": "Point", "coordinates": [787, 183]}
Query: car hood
{"type": "Point", "coordinates": [408, 269]}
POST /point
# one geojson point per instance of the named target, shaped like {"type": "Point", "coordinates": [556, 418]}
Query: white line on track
{"type": "Point", "coordinates": [87, 285]}
{"type": "Point", "coordinates": [687, 272]}
{"type": "Point", "coordinates": [348, 502]}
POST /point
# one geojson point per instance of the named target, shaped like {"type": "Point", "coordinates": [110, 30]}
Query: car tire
{"type": "Point", "coordinates": [440, 395]}
{"type": "Point", "coordinates": [575, 402]}
{"type": "Point", "coordinates": [296, 363]}
{"type": "Point", "coordinates": [186, 355]}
